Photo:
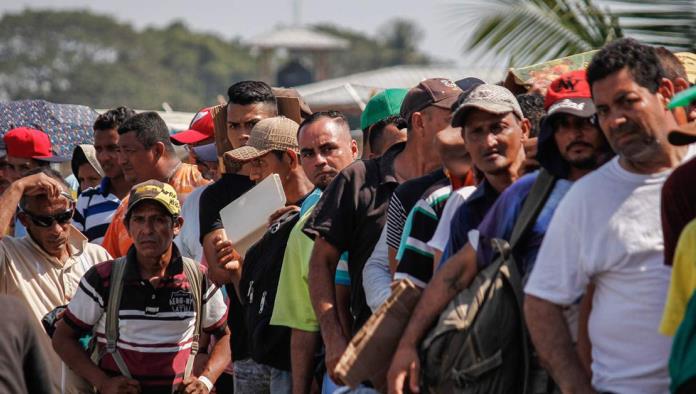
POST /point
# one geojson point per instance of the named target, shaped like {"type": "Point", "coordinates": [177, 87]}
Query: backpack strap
{"type": "Point", "coordinates": [535, 201]}
{"type": "Point", "coordinates": [533, 204]}
{"type": "Point", "coordinates": [118, 268]}
{"type": "Point", "coordinates": [194, 276]}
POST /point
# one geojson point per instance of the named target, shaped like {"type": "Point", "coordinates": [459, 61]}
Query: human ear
{"type": "Point", "coordinates": [665, 91]}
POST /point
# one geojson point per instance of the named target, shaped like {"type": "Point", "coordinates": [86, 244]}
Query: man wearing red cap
{"type": "Point", "coordinates": [27, 149]}
{"type": "Point", "coordinates": [569, 148]}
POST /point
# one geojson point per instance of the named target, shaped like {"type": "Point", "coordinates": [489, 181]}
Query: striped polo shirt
{"type": "Point", "coordinates": [94, 211]}
{"type": "Point", "coordinates": [155, 323]}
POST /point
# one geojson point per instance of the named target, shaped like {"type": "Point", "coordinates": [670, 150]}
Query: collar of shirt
{"type": "Point", "coordinates": [175, 266]}
{"type": "Point", "coordinates": [77, 243]}
{"type": "Point", "coordinates": [386, 163]}
{"type": "Point", "coordinates": [484, 191]}
{"type": "Point", "coordinates": [105, 186]}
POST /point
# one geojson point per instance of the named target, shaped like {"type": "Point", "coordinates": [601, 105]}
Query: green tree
{"type": "Point", "coordinates": [530, 31]}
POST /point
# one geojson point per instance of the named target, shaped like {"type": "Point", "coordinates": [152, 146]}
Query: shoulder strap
{"type": "Point", "coordinates": [532, 205]}
{"type": "Point", "coordinates": [118, 268]}
{"type": "Point", "coordinates": [194, 276]}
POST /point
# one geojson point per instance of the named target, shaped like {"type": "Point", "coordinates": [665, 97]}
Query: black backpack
{"type": "Point", "coordinates": [480, 343]}
{"type": "Point", "coordinates": [267, 344]}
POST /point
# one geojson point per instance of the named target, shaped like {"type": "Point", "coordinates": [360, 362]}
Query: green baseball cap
{"type": "Point", "coordinates": [381, 106]}
{"type": "Point", "coordinates": [682, 99]}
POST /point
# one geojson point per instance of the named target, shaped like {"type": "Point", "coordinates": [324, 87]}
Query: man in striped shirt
{"type": "Point", "coordinates": [156, 315]}
{"type": "Point", "coordinates": [96, 206]}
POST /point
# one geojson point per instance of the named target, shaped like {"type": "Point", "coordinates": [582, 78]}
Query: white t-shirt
{"type": "Point", "coordinates": [607, 230]}
{"type": "Point", "coordinates": [188, 240]}
{"type": "Point", "coordinates": [442, 233]}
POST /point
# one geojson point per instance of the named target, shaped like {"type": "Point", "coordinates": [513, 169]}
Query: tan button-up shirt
{"type": "Point", "coordinates": [43, 282]}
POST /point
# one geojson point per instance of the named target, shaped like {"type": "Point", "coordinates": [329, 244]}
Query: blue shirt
{"type": "Point", "coordinates": [468, 217]}
{"type": "Point", "coordinates": [500, 220]}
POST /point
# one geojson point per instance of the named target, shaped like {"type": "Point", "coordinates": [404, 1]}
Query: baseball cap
{"type": "Point", "coordinates": [276, 133]}
{"type": "Point", "coordinates": [381, 106]}
{"type": "Point", "coordinates": [154, 190]}
{"type": "Point", "coordinates": [490, 98]}
{"type": "Point", "coordinates": [688, 59]}
{"type": "Point", "coordinates": [30, 143]}
{"type": "Point", "coordinates": [570, 94]}
{"type": "Point", "coordinates": [439, 92]}
{"type": "Point", "coordinates": [201, 128]}
{"type": "Point", "coordinates": [468, 83]}
{"type": "Point", "coordinates": [206, 152]}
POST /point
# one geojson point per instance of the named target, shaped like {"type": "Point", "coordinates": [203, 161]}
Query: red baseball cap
{"type": "Point", "coordinates": [570, 94]}
{"type": "Point", "coordinates": [30, 143]}
{"type": "Point", "coordinates": [201, 128]}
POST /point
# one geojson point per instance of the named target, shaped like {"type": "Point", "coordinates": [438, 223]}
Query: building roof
{"type": "Point", "coordinates": [299, 38]}
{"type": "Point", "coordinates": [355, 88]}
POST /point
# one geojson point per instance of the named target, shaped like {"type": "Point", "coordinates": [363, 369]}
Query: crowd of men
{"type": "Point", "coordinates": [121, 279]}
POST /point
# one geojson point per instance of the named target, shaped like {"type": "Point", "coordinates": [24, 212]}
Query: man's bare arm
{"type": "Point", "coordinates": [220, 356]}
{"type": "Point", "coordinates": [551, 338]}
{"type": "Point", "coordinates": [303, 347]}
{"type": "Point", "coordinates": [322, 290]}
{"type": "Point", "coordinates": [31, 185]}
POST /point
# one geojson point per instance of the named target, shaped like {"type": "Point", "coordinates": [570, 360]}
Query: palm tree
{"type": "Point", "coordinates": [531, 31]}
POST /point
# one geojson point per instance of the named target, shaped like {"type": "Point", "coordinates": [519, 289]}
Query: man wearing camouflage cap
{"type": "Point", "coordinates": [155, 341]}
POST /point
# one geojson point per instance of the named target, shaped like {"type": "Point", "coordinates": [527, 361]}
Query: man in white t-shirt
{"type": "Point", "coordinates": [607, 232]}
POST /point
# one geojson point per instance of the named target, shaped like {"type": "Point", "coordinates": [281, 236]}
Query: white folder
{"type": "Point", "coordinates": [246, 218]}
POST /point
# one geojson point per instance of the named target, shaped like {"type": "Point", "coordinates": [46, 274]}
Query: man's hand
{"type": "Point", "coordinates": [118, 385]}
{"type": "Point", "coordinates": [226, 255]}
{"type": "Point", "coordinates": [40, 183]}
{"type": "Point", "coordinates": [192, 385]}
{"type": "Point", "coordinates": [405, 363]}
{"type": "Point", "coordinates": [282, 211]}
{"type": "Point", "coordinates": [530, 162]}
{"type": "Point", "coordinates": [334, 351]}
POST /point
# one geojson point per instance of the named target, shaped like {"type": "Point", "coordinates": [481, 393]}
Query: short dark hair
{"type": "Point", "coordinates": [336, 116]}
{"type": "Point", "coordinates": [640, 59]}
{"type": "Point", "coordinates": [377, 130]}
{"type": "Point", "coordinates": [51, 173]}
{"type": "Point", "coordinates": [251, 92]}
{"type": "Point", "coordinates": [112, 118]}
{"type": "Point", "coordinates": [671, 64]}
{"type": "Point", "coordinates": [149, 129]}
{"type": "Point", "coordinates": [532, 105]}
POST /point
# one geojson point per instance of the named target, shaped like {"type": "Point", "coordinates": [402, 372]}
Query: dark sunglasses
{"type": "Point", "coordinates": [48, 220]}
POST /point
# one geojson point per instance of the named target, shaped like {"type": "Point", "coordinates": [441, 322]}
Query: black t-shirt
{"type": "Point", "coordinates": [351, 214]}
{"type": "Point", "coordinates": [216, 196]}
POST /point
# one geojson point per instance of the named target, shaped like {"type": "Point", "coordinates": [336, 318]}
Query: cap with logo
{"type": "Point", "coordinates": [28, 143]}
{"type": "Point", "coordinates": [200, 129]}
{"type": "Point", "coordinates": [490, 98]}
{"type": "Point", "coordinates": [206, 152]}
{"type": "Point", "coordinates": [438, 92]}
{"type": "Point", "coordinates": [276, 133]}
{"type": "Point", "coordinates": [381, 106]}
{"type": "Point", "coordinates": [157, 191]}
{"type": "Point", "coordinates": [570, 94]}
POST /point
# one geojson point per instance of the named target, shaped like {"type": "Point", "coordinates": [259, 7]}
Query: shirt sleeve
{"type": "Point", "coordinates": [342, 277]}
{"type": "Point", "coordinates": [334, 216]}
{"type": "Point", "coordinates": [676, 210]}
{"type": "Point", "coordinates": [416, 256]}
{"type": "Point", "coordinates": [214, 308]}
{"type": "Point", "coordinates": [79, 216]}
{"type": "Point", "coordinates": [209, 212]}
{"type": "Point", "coordinates": [395, 221]}
{"type": "Point", "coordinates": [559, 275]}
{"type": "Point", "coordinates": [441, 236]}
{"type": "Point", "coordinates": [683, 283]}
{"type": "Point", "coordinates": [376, 275]}
{"type": "Point", "coordinates": [88, 304]}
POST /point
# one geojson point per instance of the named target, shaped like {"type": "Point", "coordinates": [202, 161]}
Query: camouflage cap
{"type": "Point", "coordinates": [490, 98]}
{"type": "Point", "coordinates": [160, 192]}
{"type": "Point", "coordinates": [276, 133]}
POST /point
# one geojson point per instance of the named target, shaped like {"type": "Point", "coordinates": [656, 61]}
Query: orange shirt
{"type": "Point", "coordinates": [116, 240]}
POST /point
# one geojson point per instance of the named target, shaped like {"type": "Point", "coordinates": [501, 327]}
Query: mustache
{"type": "Point", "coordinates": [578, 143]}
{"type": "Point", "coordinates": [626, 128]}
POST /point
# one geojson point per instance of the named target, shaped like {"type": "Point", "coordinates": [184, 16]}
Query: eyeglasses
{"type": "Point", "coordinates": [48, 220]}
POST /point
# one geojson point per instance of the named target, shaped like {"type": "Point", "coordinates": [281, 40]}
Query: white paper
{"type": "Point", "coordinates": [246, 218]}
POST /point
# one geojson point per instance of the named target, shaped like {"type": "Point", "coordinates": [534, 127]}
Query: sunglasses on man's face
{"type": "Point", "coordinates": [48, 220]}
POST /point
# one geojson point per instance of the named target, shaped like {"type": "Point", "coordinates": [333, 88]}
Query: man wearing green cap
{"type": "Point", "coordinates": [155, 337]}
{"type": "Point", "coordinates": [381, 122]}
